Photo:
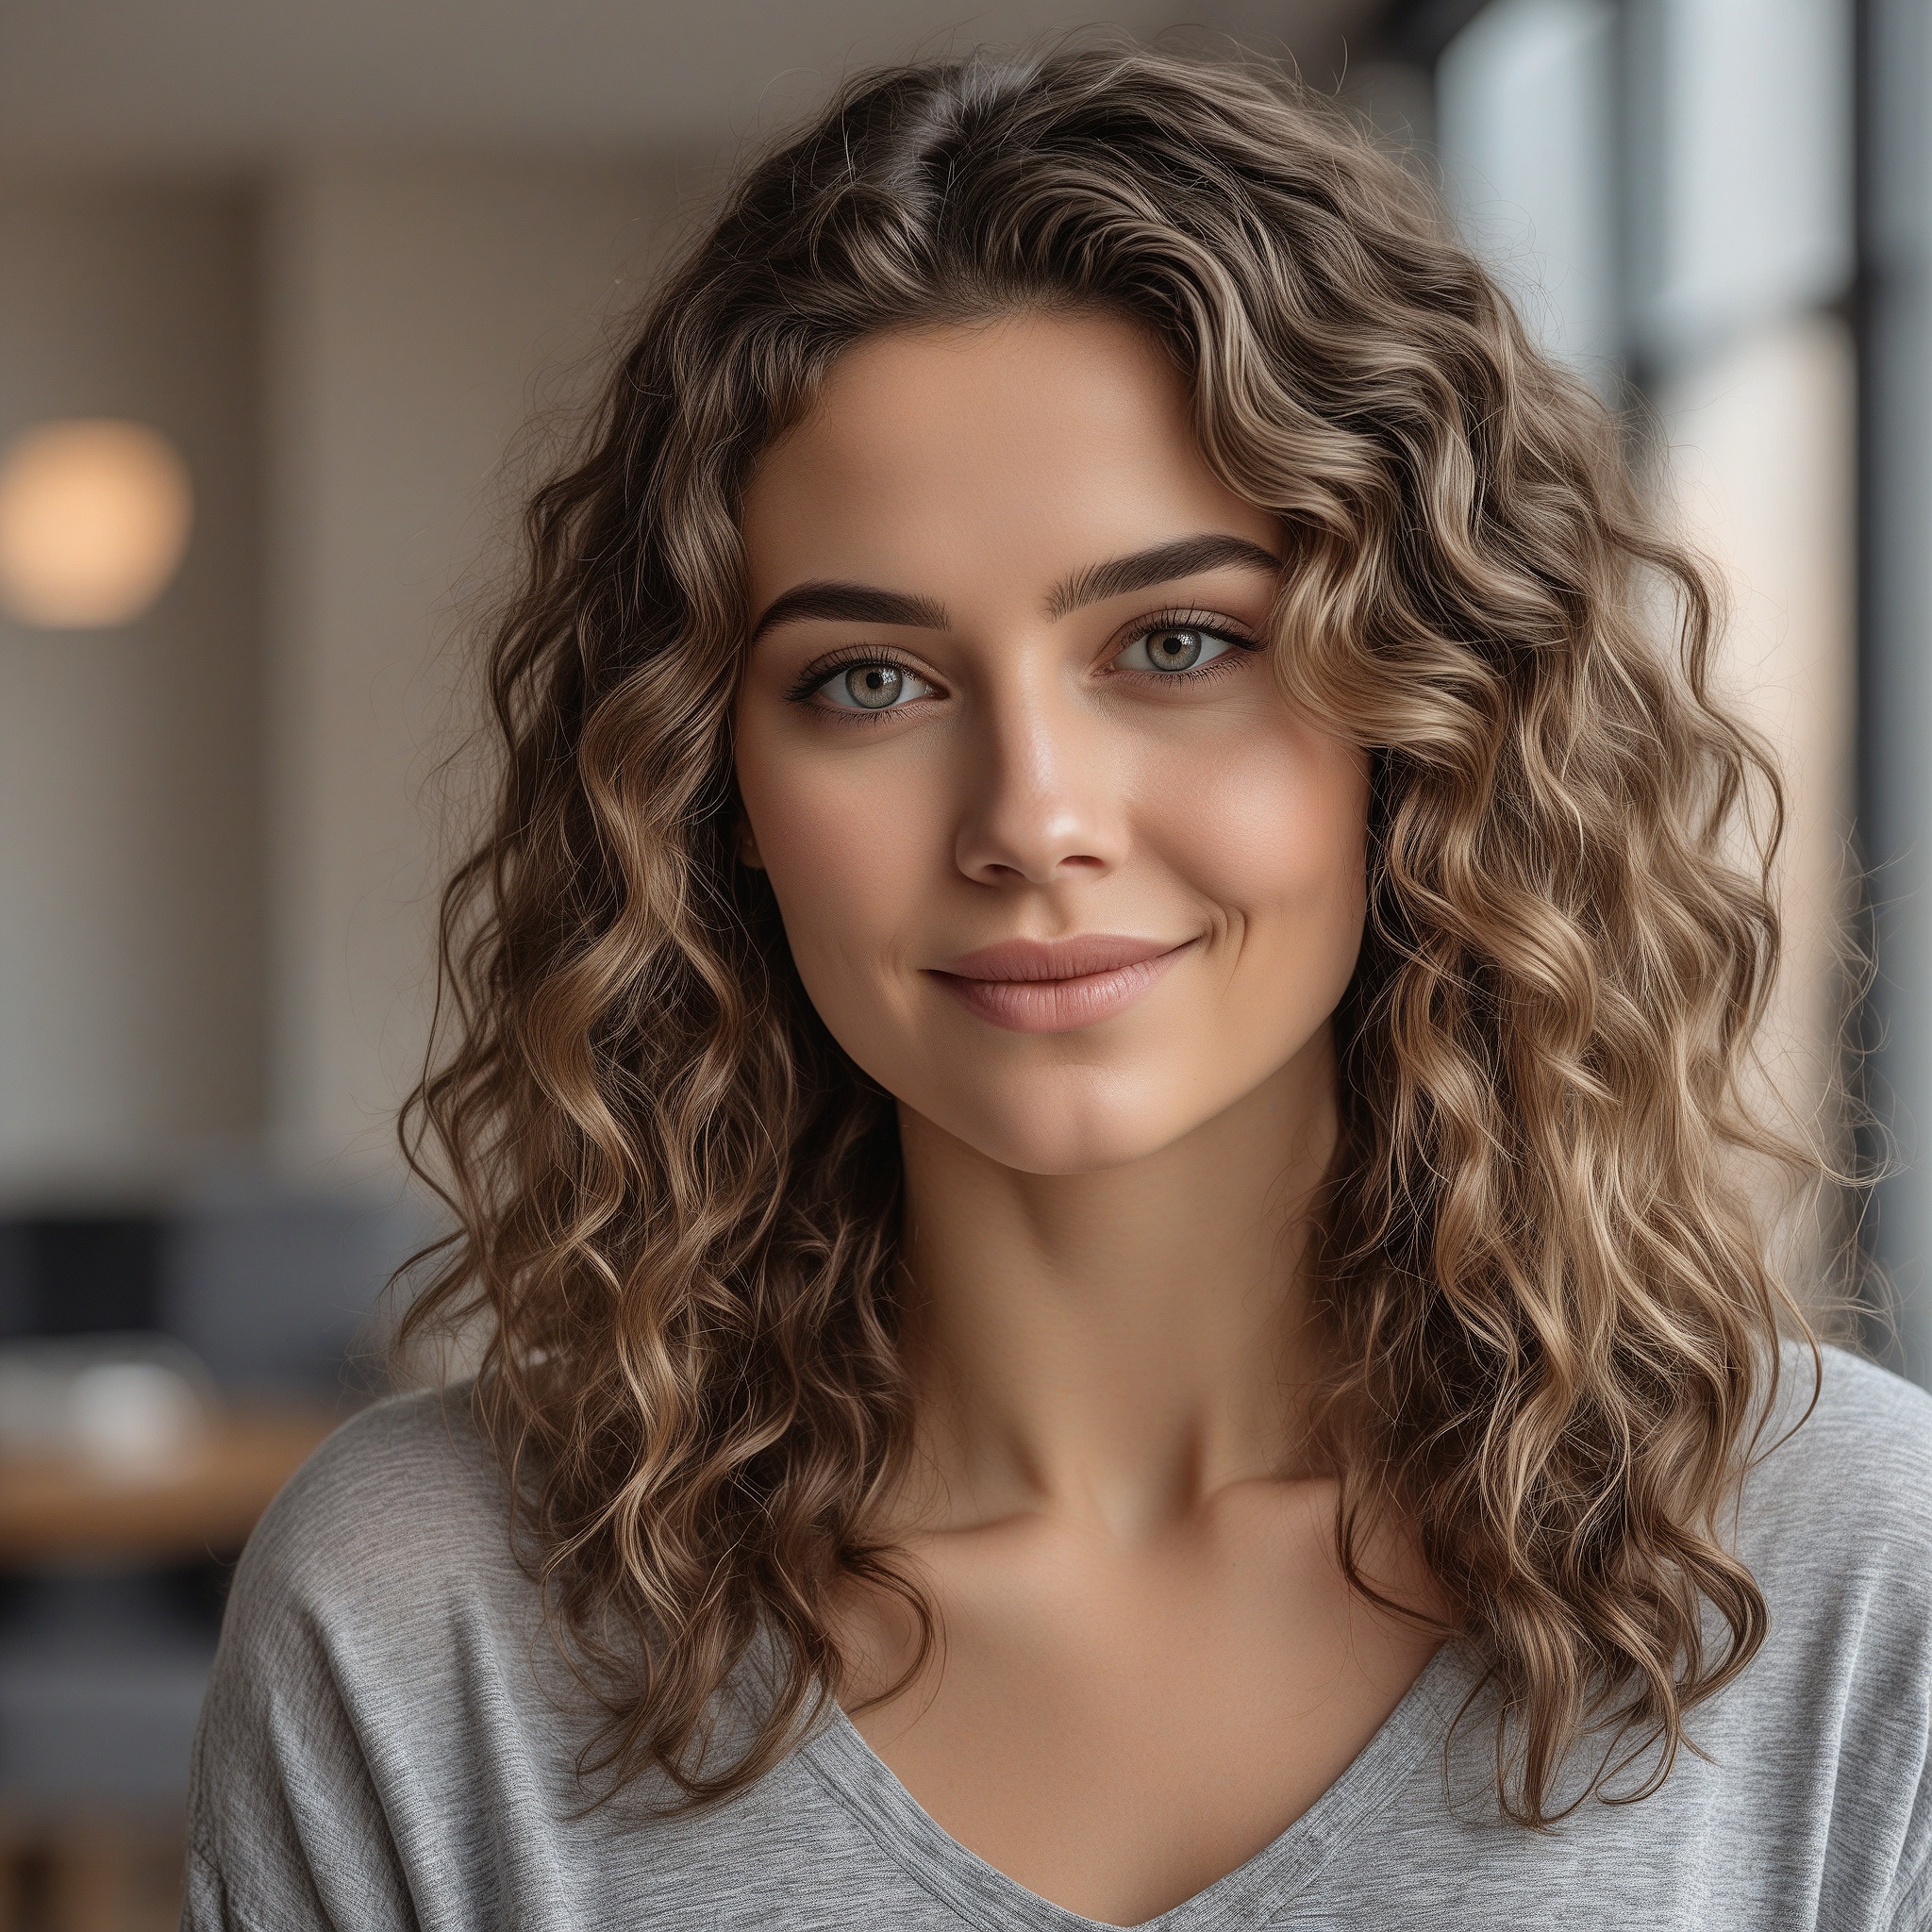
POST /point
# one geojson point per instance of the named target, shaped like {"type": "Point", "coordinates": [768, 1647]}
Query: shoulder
{"type": "Point", "coordinates": [1833, 1716]}
{"type": "Point", "coordinates": [1851, 1478]}
{"type": "Point", "coordinates": [375, 1681]}
{"type": "Point", "coordinates": [390, 1540]}
{"type": "Point", "coordinates": [406, 1489]}
{"type": "Point", "coordinates": [1835, 1522]}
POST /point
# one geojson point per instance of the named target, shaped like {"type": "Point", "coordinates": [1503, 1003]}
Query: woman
{"type": "Point", "coordinates": [1098, 1114]}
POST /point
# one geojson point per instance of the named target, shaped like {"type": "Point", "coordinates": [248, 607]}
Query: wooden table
{"type": "Point", "coordinates": [112, 1873]}
{"type": "Point", "coordinates": [200, 1502]}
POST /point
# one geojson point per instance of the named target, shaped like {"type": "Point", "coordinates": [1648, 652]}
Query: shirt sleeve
{"type": "Point", "coordinates": [1911, 1909]}
{"type": "Point", "coordinates": [287, 1832]}
{"type": "Point", "coordinates": [377, 1753]}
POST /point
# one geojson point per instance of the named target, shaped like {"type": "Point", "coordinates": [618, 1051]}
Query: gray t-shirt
{"type": "Point", "coordinates": [388, 1742]}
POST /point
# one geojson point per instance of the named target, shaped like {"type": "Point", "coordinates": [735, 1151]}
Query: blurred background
{"type": "Point", "coordinates": [291, 297]}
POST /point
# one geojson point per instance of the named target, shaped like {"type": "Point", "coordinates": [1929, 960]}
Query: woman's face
{"type": "Point", "coordinates": [1060, 868]}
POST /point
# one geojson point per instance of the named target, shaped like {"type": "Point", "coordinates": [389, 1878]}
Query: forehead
{"type": "Point", "coordinates": [1032, 444]}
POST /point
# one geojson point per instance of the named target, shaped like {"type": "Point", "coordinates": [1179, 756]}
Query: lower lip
{"type": "Point", "coordinates": [1059, 1006]}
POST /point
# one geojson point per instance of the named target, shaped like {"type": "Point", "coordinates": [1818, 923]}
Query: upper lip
{"type": "Point", "coordinates": [1073, 958]}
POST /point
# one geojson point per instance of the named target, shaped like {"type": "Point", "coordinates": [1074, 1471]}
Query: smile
{"type": "Point", "coordinates": [1057, 986]}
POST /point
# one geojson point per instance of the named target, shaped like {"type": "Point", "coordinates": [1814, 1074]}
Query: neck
{"type": "Point", "coordinates": [1122, 1343]}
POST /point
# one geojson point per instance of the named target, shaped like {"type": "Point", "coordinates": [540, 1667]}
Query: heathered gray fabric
{"type": "Point", "coordinates": [387, 1742]}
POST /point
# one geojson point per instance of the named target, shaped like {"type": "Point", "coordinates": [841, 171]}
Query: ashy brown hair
{"type": "Point", "coordinates": [1544, 1280]}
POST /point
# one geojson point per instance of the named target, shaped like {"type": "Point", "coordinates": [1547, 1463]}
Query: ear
{"type": "Point", "coordinates": [748, 845]}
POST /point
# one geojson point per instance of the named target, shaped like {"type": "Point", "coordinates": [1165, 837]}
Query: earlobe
{"type": "Point", "coordinates": [748, 845]}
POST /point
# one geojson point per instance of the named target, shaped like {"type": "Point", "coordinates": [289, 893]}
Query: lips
{"type": "Point", "coordinates": [1057, 986]}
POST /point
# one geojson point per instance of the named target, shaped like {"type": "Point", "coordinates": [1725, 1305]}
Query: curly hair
{"type": "Point", "coordinates": [1540, 1259]}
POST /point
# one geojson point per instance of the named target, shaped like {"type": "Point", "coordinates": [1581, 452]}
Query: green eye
{"type": "Point", "coordinates": [874, 687]}
{"type": "Point", "coordinates": [1175, 650]}
{"type": "Point", "coordinates": [1174, 647]}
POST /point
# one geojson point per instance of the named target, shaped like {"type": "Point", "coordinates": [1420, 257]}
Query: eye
{"type": "Point", "coordinates": [1171, 648]}
{"type": "Point", "coordinates": [876, 686]}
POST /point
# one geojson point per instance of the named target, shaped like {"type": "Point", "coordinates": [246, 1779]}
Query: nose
{"type": "Point", "coordinates": [1043, 793]}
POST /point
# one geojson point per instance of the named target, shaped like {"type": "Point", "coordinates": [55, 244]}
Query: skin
{"type": "Point", "coordinates": [1151, 1662]}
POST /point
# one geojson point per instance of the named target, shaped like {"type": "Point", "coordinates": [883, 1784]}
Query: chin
{"type": "Point", "coordinates": [1085, 1126]}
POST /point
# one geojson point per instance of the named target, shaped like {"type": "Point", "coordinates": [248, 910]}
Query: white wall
{"type": "Point", "coordinates": [1526, 122]}
{"type": "Point", "coordinates": [1743, 244]}
{"type": "Point", "coordinates": [204, 942]}
{"type": "Point", "coordinates": [130, 877]}
{"type": "Point", "coordinates": [1762, 472]}
{"type": "Point", "coordinates": [1667, 192]}
{"type": "Point", "coordinates": [1898, 641]}
{"type": "Point", "coordinates": [419, 313]}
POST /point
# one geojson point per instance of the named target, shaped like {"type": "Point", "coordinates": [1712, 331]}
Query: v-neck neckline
{"type": "Point", "coordinates": [987, 1898]}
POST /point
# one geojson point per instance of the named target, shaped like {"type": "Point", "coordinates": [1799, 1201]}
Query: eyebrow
{"type": "Point", "coordinates": [851, 604]}
{"type": "Point", "coordinates": [1182, 557]}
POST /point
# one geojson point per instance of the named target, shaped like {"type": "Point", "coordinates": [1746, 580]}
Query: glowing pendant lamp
{"type": "Point", "coordinates": [94, 516]}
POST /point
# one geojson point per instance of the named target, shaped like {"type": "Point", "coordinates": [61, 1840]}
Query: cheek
{"type": "Point", "coordinates": [1274, 830]}
{"type": "Point", "coordinates": [847, 857]}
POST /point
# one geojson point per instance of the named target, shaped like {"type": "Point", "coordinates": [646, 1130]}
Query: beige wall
{"type": "Point", "coordinates": [218, 825]}
{"type": "Point", "coordinates": [418, 314]}
{"type": "Point", "coordinates": [130, 886]}
{"type": "Point", "coordinates": [1762, 463]}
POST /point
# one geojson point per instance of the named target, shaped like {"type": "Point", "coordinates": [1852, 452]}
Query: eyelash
{"type": "Point", "coordinates": [1207, 622]}
{"type": "Point", "coordinates": [821, 671]}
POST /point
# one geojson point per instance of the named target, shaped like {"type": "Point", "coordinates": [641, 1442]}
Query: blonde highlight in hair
{"type": "Point", "coordinates": [1543, 1279]}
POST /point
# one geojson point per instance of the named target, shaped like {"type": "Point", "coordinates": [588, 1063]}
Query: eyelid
{"type": "Point", "coordinates": [1217, 622]}
{"type": "Point", "coordinates": [820, 670]}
